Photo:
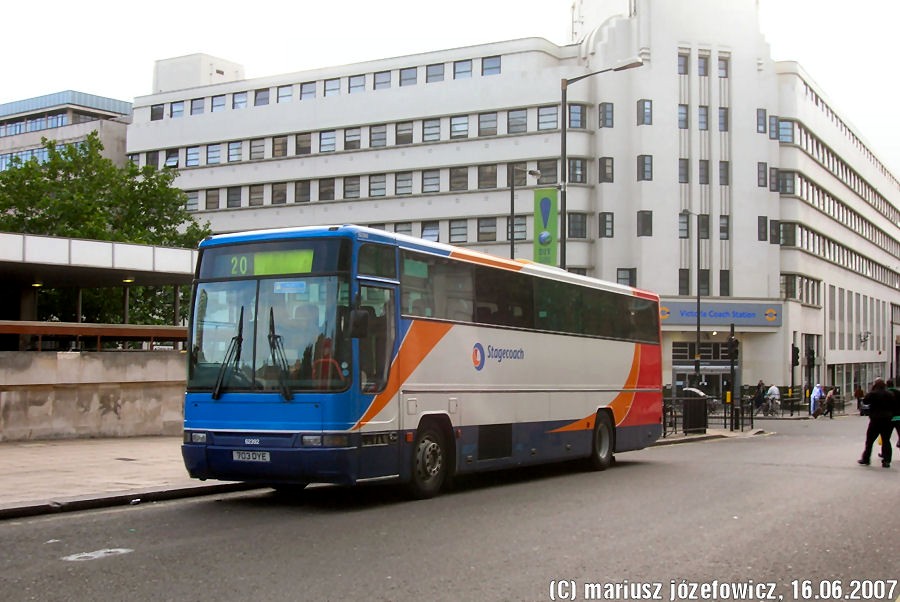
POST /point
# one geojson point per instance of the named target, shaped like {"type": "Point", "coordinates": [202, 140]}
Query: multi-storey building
{"type": "Point", "coordinates": [710, 174]}
{"type": "Point", "coordinates": [67, 117]}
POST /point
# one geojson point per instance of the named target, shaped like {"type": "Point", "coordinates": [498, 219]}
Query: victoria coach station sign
{"type": "Point", "coordinates": [684, 313]}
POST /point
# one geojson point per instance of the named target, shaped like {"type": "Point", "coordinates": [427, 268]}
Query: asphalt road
{"type": "Point", "coordinates": [791, 509]}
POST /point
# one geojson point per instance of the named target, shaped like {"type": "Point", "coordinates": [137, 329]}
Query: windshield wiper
{"type": "Point", "coordinates": [233, 355]}
{"type": "Point", "coordinates": [276, 346]}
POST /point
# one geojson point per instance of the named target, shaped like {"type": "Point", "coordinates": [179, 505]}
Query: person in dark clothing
{"type": "Point", "coordinates": [881, 411]}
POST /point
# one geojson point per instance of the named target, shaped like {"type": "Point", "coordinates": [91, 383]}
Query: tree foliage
{"type": "Point", "coordinates": [78, 193]}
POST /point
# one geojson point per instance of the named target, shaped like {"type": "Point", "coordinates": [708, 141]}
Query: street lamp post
{"type": "Point", "coordinates": [512, 204]}
{"type": "Point", "coordinates": [697, 350]}
{"type": "Point", "coordinates": [564, 159]}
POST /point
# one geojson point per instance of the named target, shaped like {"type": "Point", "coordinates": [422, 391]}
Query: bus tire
{"type": "Point", "coordinates": [429, 462]}
{"type": "Point", "coordinates": [603, 443]}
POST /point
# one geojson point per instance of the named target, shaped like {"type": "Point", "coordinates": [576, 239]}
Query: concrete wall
{"type": "Point", "coordinates": [50, 395]}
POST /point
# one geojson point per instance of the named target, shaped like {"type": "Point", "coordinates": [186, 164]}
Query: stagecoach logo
{"type": "Point", "coordinates": [498, 354]}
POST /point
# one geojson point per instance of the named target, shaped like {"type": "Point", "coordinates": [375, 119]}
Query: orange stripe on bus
{"type": "Point", "coordinates": [418, 343]}
{"type": "Point", "coordinates": [620, 406]}
{"type": "Point", "coordinates": [490, 260]}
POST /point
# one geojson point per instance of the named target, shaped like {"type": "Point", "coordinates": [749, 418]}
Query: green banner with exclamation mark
{"type": "Point", "coordinates": [545, 226]}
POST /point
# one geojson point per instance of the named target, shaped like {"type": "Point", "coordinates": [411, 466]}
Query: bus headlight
{"type": "Point", "coordinates": [194, 437]}
{"type": "Point", "coordinates": [336, 440]}
{"type": "Point", "coordinates": [311, 440]}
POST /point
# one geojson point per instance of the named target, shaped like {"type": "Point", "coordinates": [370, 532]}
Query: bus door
{"type": "Point", "coordinates": [380, 448]}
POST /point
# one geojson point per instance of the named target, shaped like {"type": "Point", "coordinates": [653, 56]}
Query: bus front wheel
{"type": "Point", "coordinates": [603, 443]}
{"type": "Point", "coordinates": [429, 469]}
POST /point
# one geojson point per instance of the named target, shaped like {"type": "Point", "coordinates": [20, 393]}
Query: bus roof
{"type": "Point", "coordinates": [422, 245]}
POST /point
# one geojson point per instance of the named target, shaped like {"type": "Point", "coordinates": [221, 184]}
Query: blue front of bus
{"type": "Point", "coordinates": [273, 385]}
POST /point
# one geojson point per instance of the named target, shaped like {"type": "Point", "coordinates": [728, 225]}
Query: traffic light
{"type": "Point", "coordinates": [810, 356]}
{"type": "Point", "coordinates": [733, 345]}
{"type": "Point", "coordinates": [795, 355]}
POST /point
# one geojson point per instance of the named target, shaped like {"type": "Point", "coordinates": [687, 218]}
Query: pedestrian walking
{"type": "Point", "coordinates": [759, 396]}
{"type": "Point", "coordinates": [859, 394]}
{"type": "Point", "coordinates": [881, 412]}
{"type": "Point", "coordinates": [773, 400]}
{"type": "Point", "coordinates": [829, 403]}
{"type": "Point", "coordinates": [815, 401]}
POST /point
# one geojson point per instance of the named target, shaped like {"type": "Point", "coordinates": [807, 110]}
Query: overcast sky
{"type": "Point", "coordinates": [108, 48]}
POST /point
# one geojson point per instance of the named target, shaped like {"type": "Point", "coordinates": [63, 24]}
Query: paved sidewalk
{"type": "Point", "coordinates": [41, 477]}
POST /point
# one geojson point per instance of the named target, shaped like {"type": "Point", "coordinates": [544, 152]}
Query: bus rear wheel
{"type": "Point", "coordinates": [603, 443]}
{"type": "Point", "coordinates": [429, 469]}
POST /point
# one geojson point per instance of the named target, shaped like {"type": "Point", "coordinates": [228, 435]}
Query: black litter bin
{"type": "Point", "coordinates": [694, 410]}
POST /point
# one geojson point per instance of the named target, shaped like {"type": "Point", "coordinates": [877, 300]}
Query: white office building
{"type": "Point", "coordinates": [708, 173]}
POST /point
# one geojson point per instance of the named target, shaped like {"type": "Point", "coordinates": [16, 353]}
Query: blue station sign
{"type": "Point", "coordinates": [718, 313]}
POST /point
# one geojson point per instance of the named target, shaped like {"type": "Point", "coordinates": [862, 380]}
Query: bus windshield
{"type": "Point", "coordinates": [281, 334]}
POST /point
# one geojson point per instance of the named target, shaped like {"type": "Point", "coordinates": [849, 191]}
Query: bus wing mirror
{"type": "Point", "coordinates": [359, 323]}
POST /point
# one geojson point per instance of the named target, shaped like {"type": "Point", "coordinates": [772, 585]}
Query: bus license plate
{"type": "Point", "coordinates": [250, 456]}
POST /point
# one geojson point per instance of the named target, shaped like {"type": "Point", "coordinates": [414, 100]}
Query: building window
{"type": "Point", "coordinates": [279, 193]}
{"type": "Point", "coordinates": [490, 65]}
{"type": "Point", "coordinates": [377, 185]}
{"type": "Point", "coordinates": [462, 69]}
{"type": "Point", "coordinates": [774, 232]}
{"type": "Point", "coordinates": [762, 175]}
{"type": "Point", "coordinates": [785, 182]}
{"type": "Point", "coordinates": [724, 227]}
{"type": "Point", "coordinates": [408, 76]}
{"type": "Point", "coordinates": [761, 121]}
{"type": "Point", "coordinates": [487, 176]}
{"type": "Point", "coordinates": [606, 114]}
{"type": "Point", "coordinates": [547, 167]}
{"type": "Point", "coordinates": [192, 156]}
{"type": "Point", "coordinates": [577, 225]}
{"type": "Point", "coordinates": [172, 157]}
{"type": "Point", "coordinates": [724, 173]}
{"type": "Point", "coordinates": [351, 187]}
{"type": "Point", "coordinates": [403, 228]}
{"type": "Point", "coordinates": [431, 231]}
{"type": "Point", "coordinates": [517, 121]}
{"type": "Point", "coordinates": [327, 141]}
{"type": "Point", "coordinates": [645, 112]}
{"type": "Point", "coordinates": [459, 231]}
{"type": "Point", "coordinates": [431, 130]}
{"type": "Point", "coordinates": [773, 127]}
{"type": "Point", "coordinates": [607, 169]}
{"type": "Point", "coordinates": [307, 90]}
{"type": "Point", "coordinates": [487, 124]}
{"type": "Point", "coordinates": [459, 178]}
{"type": "Point", "coordinates": [193, 201]}
{"type": "Point", "coordinates": [626, 276]}
{"type": "Point", "coordinates": [302, 191]}
{"type": "Point", "coordinates": [518, 227]}
{"type": "Point", "coordinates": [702, 66]}
{"type": "Point", "coordinates": [257, 149]}
{"type": "Point", "coordinates": [176, 109]}
{"type": "Point", "coordinates": [684, 281]}
{"type": "Point", "coordinates": [153, 159]}
{"type": "Point", "coordinates": [261, 97]}
{"type": "Point", "coordinates": [403, 132]}
{"type": "Point", "coordinates": [487, 229]}
{"type": "Point", "coordinates": [703, 176]}
{"type": "Point", "coordinates": [332, 87]}
{"type": "Point", "coordinates": [762, 228]}
{"type": "Point", "coordinates": [218, 103]}
{"type": "Point", "coordinates": [431, 180]}
{"type": "Point", "coordinates": [257, 194]}
{"type": "Point", "coordinates": [377, 136]}
{"type": "Point", "coordinates": [157, 112]}
{"type": "Point", "coordinates": [213, 154]}
{"type": "Point", "coordinates": [355, 84]}
{"type": "Point", "coordinates": [279, 146]}
{"type": "Point", "coordinates": [724, 283]}
{"type": "Point", "coordinates": [606, 229]}
{"type": "Point", "coordinates": [683, 119]}
{"type": "Point", "coordinates": [382, 80]}
{"type": "Point", "coordinates": [547, 118]}
{"type": "Point", "coordinates": [703, 117]}
{"type": "Point", "coordinates": [684, 61]}
{"type": "Point", "coordinates": [723, 119]}
{"type": "Point", "coordinates": [723, 67]}
{"type": "Point", "coordinates": [517, 171]}
{"type": "Point", "coordinates": [239, 100]}
{"type": "Point", "coordinates": [703, 226]}
{"type": "Point", "coordinates": [235, 150]}
{"type": "Point", "coordinates": [403, 183]}
{"type": "Point", "coordinates": [684, 225]}
{"type": "Point", "coordinates": [704, 283]}
{"type": "Point", "coordinates": [459, 126]}
{"type": "Point", "coordinates": [684, 171]}
{"type": "Point", "coordinates": [645, 223]}
{"type": "Point", "coordinates": [303, 143]}
{"type": "Point", "coordinates": [434, 73]}
{"type": "Point", "coordinates": [197, 106]}
{"type": "Point", "coordinates": [577, 172]}
{"type": "Point", "coordinates": [326, 189]}
{"type": "Point", "coordinates": [785, 131]}
{"type": "Point", "coordinates": [773, 179]}
{"type": "Point", "coordinates": [285, 93]}
{"type": "Point", "coordinates": [233, 197]}
{"type": "Point", "coordinates": [212, 198]}
{"type": "Point", "coordinates": [577, 116]}
{"type": "Point", "coordinates": [644, 168]}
